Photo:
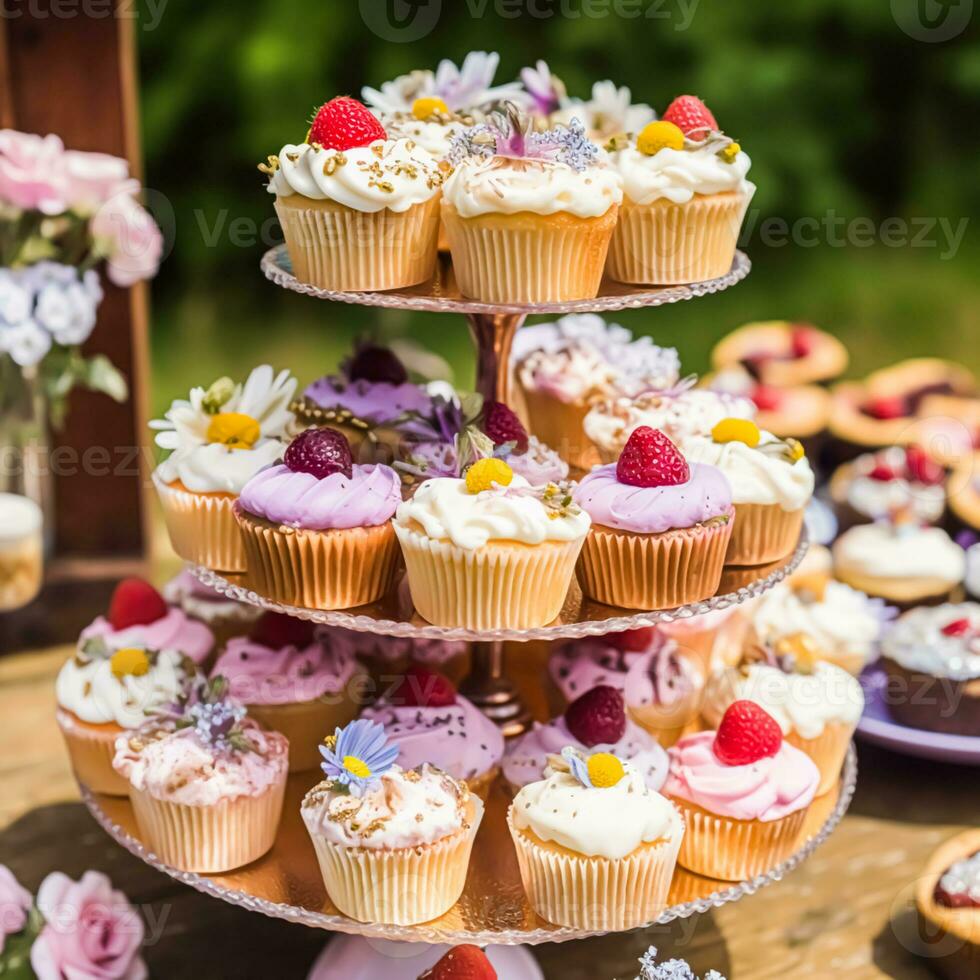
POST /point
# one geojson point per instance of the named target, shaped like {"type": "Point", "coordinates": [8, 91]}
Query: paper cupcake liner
{"type": "Point", "coordinates": [399, 887]}
{"type": "Point", "coordinates": [202, 527]}
{"type": "Point", "coordinates": [827, 750]}
{"type": "Point", "coordinates": [528, 258]}
{"type": "Point", "coordinates": [332, 246]}
{"type": "Point", "coordinates": [318, 569]}
{"type": "Point", "coordinates": [593, 892]}
{"type": "Point", "coordinates": [209, 839]}
{"type": "Point", "coordinates": [668, 724]}
{"type": "Point", "coordinates": [733, 850]}
{"type": "Point", "coordinates": [558, 424]}
{"type": "Point", "coordinates": [663, 244]}
{"type": "Point", "coordinates": [91, 749]}
{"type": "Point", "coordinates": [763, 533]}
{"type": "Point", "coordinates": [653, 571]}
{"type": "Point", "coordinates": [505, 584]}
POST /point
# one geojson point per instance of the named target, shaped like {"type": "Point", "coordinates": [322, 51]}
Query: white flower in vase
{"type": "Point", "coordinates": [25, 342]}
{"type": "Point", "coordinates": [16, 300]}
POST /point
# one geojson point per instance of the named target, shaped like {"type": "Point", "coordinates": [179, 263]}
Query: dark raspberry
{"type": "Point", "coordinates": [502, 425]}
{"type": "Point", "coordinates": [597, 717]}
{"type": "Point", "coordinates": [320, 452]}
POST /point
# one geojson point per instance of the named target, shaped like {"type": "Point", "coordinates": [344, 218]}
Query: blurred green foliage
{"type": "Point", "coordinates": [840, 109]}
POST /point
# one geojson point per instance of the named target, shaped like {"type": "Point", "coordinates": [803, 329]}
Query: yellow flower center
{"type": "Point", "coordinates": [425, 107]}
{"type": "Point", "coordinates": [803, 649]}
{"type": "Point", "coordinates": [234, 430]}
{"type": "Point", "coordinates": [656, 136]}
{"type": "Point", "coordinates": [129, 660]}
{"type": "Point", "coordinates": [605, 770]}
{"type": "Point", "coordinates": [356, 767]}
{"type": "Point", "coordinates": [730, 152]}
{"type": "Point", "coordinates": [484, 473]}
{"type": "Point", "coordinates": [736, 430]}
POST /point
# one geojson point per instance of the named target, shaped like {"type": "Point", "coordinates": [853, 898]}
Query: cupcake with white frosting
{"type": "Point", "coordinates": [218, 438]}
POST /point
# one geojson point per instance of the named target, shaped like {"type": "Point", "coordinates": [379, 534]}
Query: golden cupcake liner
{"type": "Point", "coordinates": [763, 533]}
{"type": "Point", "coordinates": [398, 887]}
{"type": "Point", "coordinates": [664, 244]}
{"type": "Point", "coordinates": [668, 723]}
{"type": "Point", "coordinates": [318, 569]}
{"type": "Point", "coordinates": [209, 839]}
{"type": "Point", "coordinates": [332, 246]}
{"type": "Point", "coordinates": [558, 424]}
{"type": "Point", "coordinates": [733, 850]}
{"type": "Point", "coordinates": [504, 584]}
{"type": "Point", "coordinates": [827, 750]}
{"type": "Point", "coordinates": [528, 258]}
{"type": "Point", "coordinates": [653, 571]}
{"type": "Point", "coordinates": [595, 893]}
{"type": "Point", "coordinates": [91, 749]}
{"type": "Point", "coordinates": [202, 526]}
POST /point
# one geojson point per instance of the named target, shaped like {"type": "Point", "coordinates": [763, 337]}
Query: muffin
{"type": "Point", "coordinates": [425, 717]}
{"type": "Point", "coordinates": [224, 617]}
{"type": "Point", "coordinates": [291, 683]}
{"type": "Point", "coordinates": [467, 542]}
{"type": "Point", "coordinates": [595, 722]}
{"type": "Point", "coordinates": [596, 847]}
{"type": "Point", "coordinates": [359, 210]}
{"type": "Point", "coordinates": [685, 193]}
{"type": "Point", "coordinates": [317, 528]}
{"type": "Point", "coordinates": [206, 785]}
{"type": "Point", "coordinates": [660, 527]}
{"type": "Point", "coordinates": [393, 844]}
{"type": "Point", "coordinates": [743, 793]}
{"type": "Point", "coordinates": [771, 483]}
{"type": "Point", "coordinates": [219, 439]}
{"type": "Point", "coordinates": [932, 658]}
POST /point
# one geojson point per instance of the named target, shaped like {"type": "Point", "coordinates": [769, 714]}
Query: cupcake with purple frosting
{"type": "Point", "coordinates": [317, 527]}
{"type": "Point", "coordinates": [660, 526]}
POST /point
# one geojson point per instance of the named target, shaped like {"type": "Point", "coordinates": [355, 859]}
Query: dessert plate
{"type": "Point", "coordinates": [878, 726]}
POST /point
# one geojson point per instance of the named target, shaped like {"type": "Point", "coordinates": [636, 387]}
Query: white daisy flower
{"type": "Point", "coordinates": [608, 112]}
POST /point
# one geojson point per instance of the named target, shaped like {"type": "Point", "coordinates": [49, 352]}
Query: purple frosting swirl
{"type": "Point", "coordinates": [652, 510]}
{"type": "Point", "coordinates": [372, 401]}
{"type": "Point", "coordinates": [366, 498]}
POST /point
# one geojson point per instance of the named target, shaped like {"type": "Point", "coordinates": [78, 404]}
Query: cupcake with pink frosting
{"type": "Point", "coordinates": [743, 793]}
{"type": "Point", "coordinates": [292, 683]}
{"type": "Point", "coordinates": [317, 527]}
{"type": "Point", "coordinates": [660, 526]}
{"type": "Point", "coordinates": [577, 666]}
{"type": "Point", "coordinates": [223, 616]}
{"type": "Point", "coordinates": [431, 723]}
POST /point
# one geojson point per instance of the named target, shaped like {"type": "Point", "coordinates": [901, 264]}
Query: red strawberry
{"type": "Point", "coordinates": [135, 603]}
{"type": "Point", "coordinates": [462, 963]}
{"type": "Point", "coordinates": [882, 472]}
{"type": "Point", "coordinates": [633, 641]}
{"type": "Point", "coordinates": [420, 687]}
{"type": "Point", "coordinates": [747, 733]}
{"type": "Point", "coordinates": [375, 363]}
{"type": "Point", "coordinates": [597, 717]}
{"type": "Point", "coordinates": [502, 425]}
{"type": "Point", "coordinates": [277, 630]}
{"type": "Point", "coordinates": [343, 123]}
{"type": "Point", "coordinates": [802, 338]}
{"type": "Point", "coordinates": [921, 468]}
{"type": "Point", "coordinates": [958, 627]}
{"type": "Point", "coordinates": [320, 452]}
{"type": "Point", "coordinates": [650, 459]}
{"type": "Point", "coordinates": [766, 398]}
{"type": "Point", "coordinates": [887, 407]}
{"type": "Point", "coordinates": [689, 114]}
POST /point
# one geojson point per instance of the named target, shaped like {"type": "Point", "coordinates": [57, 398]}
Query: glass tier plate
{"type": "Point", "coordinates": [441, 294]}
{"type": "Point", "coordinates": [394, 615]}
{"type": "Point", "coordinates": [493, 908]}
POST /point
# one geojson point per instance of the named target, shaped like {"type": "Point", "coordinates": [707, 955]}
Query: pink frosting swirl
{"type": "Point", "coordinates": [367, 498]}
{"type": "Point", "coordinates": [769, 789]}
{"type": "Point", "coordinates": [580, 665]}
{"type": "Point", "coordinates": [175, 631]}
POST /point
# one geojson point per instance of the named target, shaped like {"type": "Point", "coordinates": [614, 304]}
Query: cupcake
{"type": "Point", "coordinates": [359, 210]}
{"type": "Point", "coordinates": [771, 482]}
{"type": "Point", "coordinates": [595, 722]}
{"type": "Point", "coordinates": [948, 428]}
{"type": "Point", "coordinates": [466, 542]}
{"type": "Point", "coordinates": [219, 440]}
{"type": "Point", "coordinates": [317, 529]}
{"type": "Point", "coordinates": [660, 527]}
{"type": "Point", "coordinates": [393, 844]}
{"type": "Point", "coordinates": [743, 793]}
{"type": "Point", "coordinates": [932, 658]}
{"type": "Point", "coordinates": [685, 193]}
{"type": "Point", "coordinates": [293, 684]}
{"type": "Point", "coordinates": [964, 496]}
{"type": "Point", "coordinates": [224, 617]}
{"type": "Point", "coordinates": [425, 717]}
{"type": "Point", "coordinates": [528, 215]}
{"type": "Point", "coordinates": [596, 846]}
{"type": "Point", "coordinates": [903, 563]}
{"type": "Point", "coordinates": [609, 112]}
{"type": "Point", "coordinates": [206, 784]}
{"type": "Point", "coordinates": [576, 666]}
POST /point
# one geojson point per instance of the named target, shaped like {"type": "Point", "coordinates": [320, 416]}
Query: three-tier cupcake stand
{"type": "Point", "coordinates": [493, 909]}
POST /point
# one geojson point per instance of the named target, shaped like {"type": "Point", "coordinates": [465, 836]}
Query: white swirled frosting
{"type": "Point", "coordinates": [917, 641]}
{"type": "Point", "coordinates": [888, 552]}
{"type": "Point", "coordinates": [216, 468]}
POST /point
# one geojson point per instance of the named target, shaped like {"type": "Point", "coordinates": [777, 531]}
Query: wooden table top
{"type": "Point", "coordinates": [845, 913]}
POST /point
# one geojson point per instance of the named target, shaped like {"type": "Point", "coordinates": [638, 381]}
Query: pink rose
{"type": "Point", "coordinates": [15, 902]}
{"type": "Point", "coordinates": [32, 171]}
{"type": "Point", "coordinates": [92, 178]}
{"type": "Point", "coordinates": [131, 236]}
{"type": "Point", "coordinates": [90, 931]}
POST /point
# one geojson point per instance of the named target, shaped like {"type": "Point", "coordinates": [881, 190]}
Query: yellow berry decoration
{"type": "Point", "coordinates": [656, 136]}
{"type": "Point", "coordinates": [737, 430]}
{"type": "Point", "coordinates": [234, 430]}
{"type": "Point", "coordinates": [604, 770]}
{"type": "Point", "coordinates": [729, 153]}
{"type": "Point", "coordinates": [429, 106]}
{"type": "Point", "coordinates": [129, 661]}
{"type": "Point", "coordinates": [484, 473]}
